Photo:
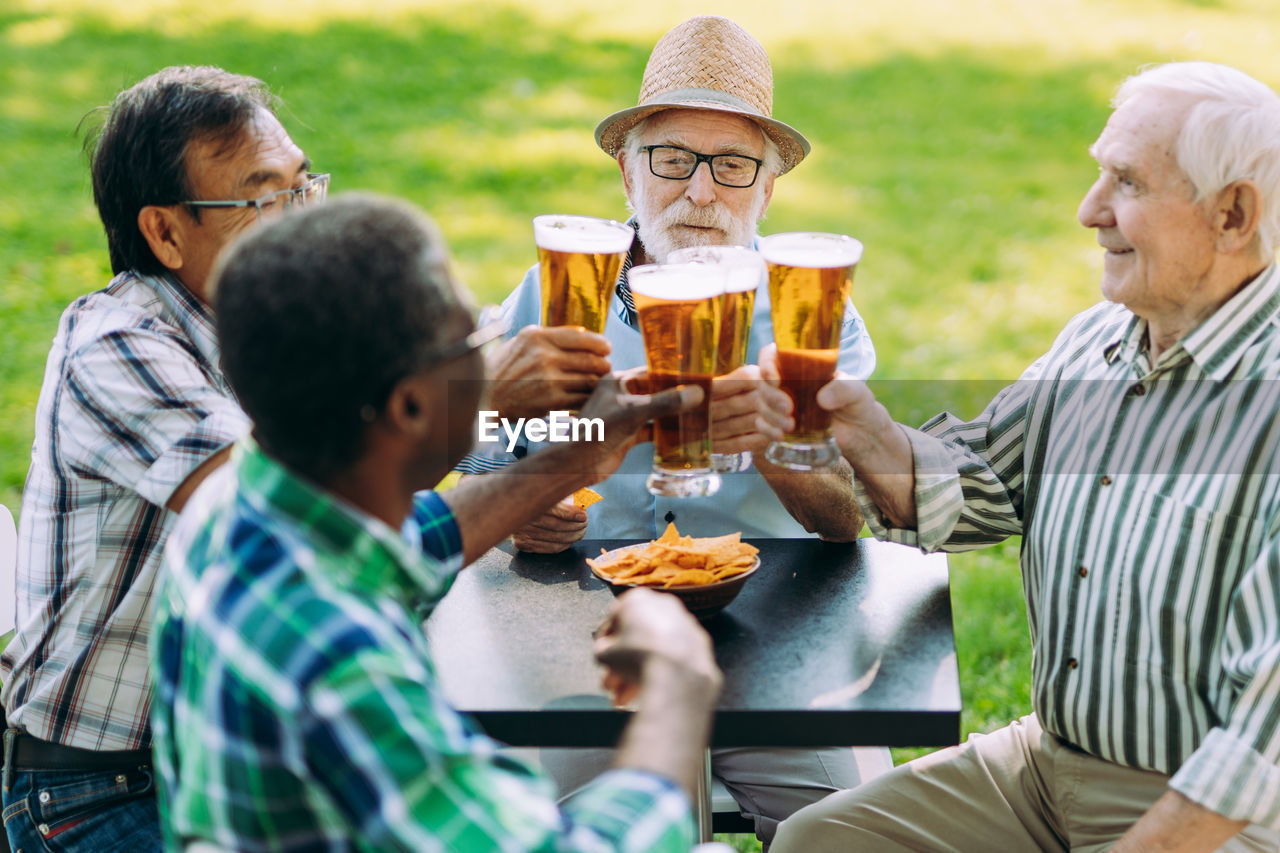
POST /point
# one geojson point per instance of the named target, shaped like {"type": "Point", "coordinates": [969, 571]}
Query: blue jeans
{"type": "Point", "coordinates": [111, 811]}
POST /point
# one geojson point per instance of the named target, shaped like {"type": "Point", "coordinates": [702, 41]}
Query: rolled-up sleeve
{"type": "Point", "coordinates": [968, 476]}
{"type": "Point", "coordinates": [139, 410]}
{"type": "Point", "coordinates": [1236, 769]}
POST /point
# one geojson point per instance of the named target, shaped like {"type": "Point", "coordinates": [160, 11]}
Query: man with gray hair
{"type": "Point", "coordinates": [1138, 459]}
{"type": "Point", "coordinates": [698, 154]}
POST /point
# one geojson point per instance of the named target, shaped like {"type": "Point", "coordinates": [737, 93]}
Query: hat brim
{"type": "Point", "coordinates": [613, 129]}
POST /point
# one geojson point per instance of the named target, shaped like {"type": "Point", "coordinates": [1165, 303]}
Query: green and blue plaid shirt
{"type": "Point", "coordinates": [297, 706]}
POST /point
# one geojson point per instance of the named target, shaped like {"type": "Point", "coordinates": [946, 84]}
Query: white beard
{"type": "Point", "coordinates": [660, 235]}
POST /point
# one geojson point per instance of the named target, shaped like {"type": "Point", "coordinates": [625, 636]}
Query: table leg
{"type": "Point", "coordinates": [702, 799]}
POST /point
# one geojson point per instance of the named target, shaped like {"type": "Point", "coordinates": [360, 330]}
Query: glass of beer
{"type": "Point", "coordinates": [579, 257]}
{"type": "Point", "coordinates": [810, 279]}
{"type": "Point", "coordinates": [743, 270]}
{"type": "Point", "coordinates": [677, 305]}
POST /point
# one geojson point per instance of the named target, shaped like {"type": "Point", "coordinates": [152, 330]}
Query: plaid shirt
{"type": "Point", "coordinates": [133, 401]}
{"type": "Point", "coordinates": [1148, 497]}
{"type": "Point", "coordinates": [297, 704]}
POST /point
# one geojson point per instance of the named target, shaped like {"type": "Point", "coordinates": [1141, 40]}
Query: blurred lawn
{"type": "Point", "coordinates": [949, 137]}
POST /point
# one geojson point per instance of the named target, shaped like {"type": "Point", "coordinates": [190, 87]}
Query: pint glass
{"type": "Point", "coordinates": [679, 321]}
{"type": "Point", "coordinates": [743, 269]}
{"type": "Point", "coordinates": [579, 258]}
{"type": "Point", "coordinates": [810, 279]}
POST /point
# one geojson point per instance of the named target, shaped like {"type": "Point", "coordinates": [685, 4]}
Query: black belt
{"type": "Point", "coordinates": [24, 752]}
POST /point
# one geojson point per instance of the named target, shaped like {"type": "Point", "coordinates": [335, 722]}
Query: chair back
{"type": "Point", "coordinates": [8, 570]}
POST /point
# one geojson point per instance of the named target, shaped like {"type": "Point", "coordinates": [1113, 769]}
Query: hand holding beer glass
{"type": "Point", "coordinates": [743, 268]}
{"type": "Point", "coordinates": [677, 305]}
{"type": "Point", "coordinates": [580, 257]}
{"type": "Point", "coordinates": [810, 279]}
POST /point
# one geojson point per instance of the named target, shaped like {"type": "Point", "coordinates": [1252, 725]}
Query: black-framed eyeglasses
{"type": "Point", "coordinates": [312, 192]}
{"type": "Point", "coordinates": [490, 331]}
{"type": "Point", "coordinates": [678, 164]}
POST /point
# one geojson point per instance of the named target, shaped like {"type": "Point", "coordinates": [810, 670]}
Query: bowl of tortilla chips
{"type": "Point", "coordinates": [705, 573]}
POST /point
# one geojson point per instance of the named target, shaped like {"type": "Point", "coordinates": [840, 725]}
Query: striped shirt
{"type": "Point", "coordinates": [133, 401]}
{"type": "Point", "coordinates": [1148, 497]}
{"type": "Point", "coordinates": [297, 706]}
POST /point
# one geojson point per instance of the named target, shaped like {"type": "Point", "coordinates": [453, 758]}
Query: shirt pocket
{"type": "Point", "coordinates": [1181, 562]}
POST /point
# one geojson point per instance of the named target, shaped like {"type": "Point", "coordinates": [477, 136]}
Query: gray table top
{"type": "Point", "coordinates": [827, 644]}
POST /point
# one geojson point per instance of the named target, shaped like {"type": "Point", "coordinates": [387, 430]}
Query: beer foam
{"type": "Point", "coordinates": [744, 268]}
{"type": "Point", "coordinates": [811, 250]}
{"type": "Point", "coordinates": [677, 282]}
{"type": "Point", "coordinates": [581, 234]}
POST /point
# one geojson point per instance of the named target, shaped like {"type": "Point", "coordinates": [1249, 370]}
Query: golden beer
{"type": "Point", "coordinates": [677, 305]}
{"type": "Point", "coordinates": [579, 258]}
{"type": "Point", "coordinates": [735, 330]}
{"type": "Point", "coordinates": [810, 280]}
{"type": "Point", "coordinates": [743, 270]}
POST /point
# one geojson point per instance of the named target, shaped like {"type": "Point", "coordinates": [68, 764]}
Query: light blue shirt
{"type": "Point", "coordinates": [744, 502]}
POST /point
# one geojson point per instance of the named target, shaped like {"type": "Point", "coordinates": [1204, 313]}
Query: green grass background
{"type": "Point", "coordinates": [949, 136]}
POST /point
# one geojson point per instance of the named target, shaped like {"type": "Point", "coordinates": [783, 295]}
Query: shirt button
{"type": "Point", "coordinates": [1106, 481]}
{"type": "Point", "coordinates": [669, 517]}
{"type": "Point", "coordinates": [44, 828]}
{"type": "Point", "coordinates": [44, 797]}
{"type": "Point", "coordinates": [1073, 663]}
{"type": "Point", "coordinates": [1138, 390]}
{"type": "Point", "coordinates": [1083, 572]}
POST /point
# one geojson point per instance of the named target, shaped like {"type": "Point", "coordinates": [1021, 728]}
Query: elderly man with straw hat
{"type": "Point", "coordinates": [706, 100]}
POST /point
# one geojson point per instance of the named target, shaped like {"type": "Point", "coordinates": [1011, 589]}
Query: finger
{"type": "Point", "coordinates": [634, 380]}
{"type": "Point", "coordinates": [566, 510]}
{"type": "Point", "coordinates": [839, 393]}
{"type": "Point", "coordinates": [673, 400]}
{"type": "Point", "coordinates": [768, 363]}
{"type": "Point", "coordinates": [742, 380]}
{"type": "Point", "coordinates": [534, 544]}
{"type": "Point", "coordinates": [567, 364]}
{"type": "Point", "coordinates": [577, 338]}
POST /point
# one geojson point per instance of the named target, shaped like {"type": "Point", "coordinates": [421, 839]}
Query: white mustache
{"type": "Point", "coordinates": [684, 212]}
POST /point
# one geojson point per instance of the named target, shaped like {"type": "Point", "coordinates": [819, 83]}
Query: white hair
{"type": "Point", "coordinates": [631, 143]}
{"type": "Point", "coordinates": [1232, 132]}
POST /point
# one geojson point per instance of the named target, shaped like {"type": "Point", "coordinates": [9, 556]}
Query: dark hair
{"type": "Point", "coordinates": [138, 154]}
{"type": "Point", "coordinates": [320, 313]}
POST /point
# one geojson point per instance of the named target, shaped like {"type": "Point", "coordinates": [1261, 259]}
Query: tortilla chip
{"type": "Point", "coordinates": [585, 497]}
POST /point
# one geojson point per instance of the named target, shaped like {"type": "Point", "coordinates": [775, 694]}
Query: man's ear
{"type": "Point", "coordinates": [768, 194]}
{"type": "Point", "coordinates": [626, 174]}
{"type": "Point", "coordinates": [413, 405]}
{"type": "Point", "coordinates": [1237, 212]}
{"type": "Point", "coordinates": [159, 225]}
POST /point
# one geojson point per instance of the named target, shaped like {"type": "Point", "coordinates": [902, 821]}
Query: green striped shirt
{"type": "Point", "coordinates": [1148, 498]}
{"type": "Point", "coordinates": [296, 703]}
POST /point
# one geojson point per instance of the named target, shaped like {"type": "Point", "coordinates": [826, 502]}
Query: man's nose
{"type": "Point", "coordinates": [701, 189]}
{"type": "Point", "coordinates": [1094, 212]}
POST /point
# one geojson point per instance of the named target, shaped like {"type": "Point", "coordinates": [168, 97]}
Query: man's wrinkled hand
{"type": "Point", "coordinates": [646, 630]}
{"type": "Point", "coordinates": [626, 417]}
{"type": "Point", "coordinates": [544, 369]}
{"type": "Point", "coordinates": [554, 531]}
{"type": "Point", "coordinates": [747, 412]}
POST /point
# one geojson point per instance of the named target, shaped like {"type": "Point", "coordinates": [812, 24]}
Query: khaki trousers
{"type": "Point", "coordinates": [1017, 789]}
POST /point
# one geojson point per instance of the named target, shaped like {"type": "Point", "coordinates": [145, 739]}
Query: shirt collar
{"type": "Point", "coordinates": [1217, 344]}
{"type": "Point", "coordinates": [368, 555]}
{"type": "Point", "coordinates": [183, 310]}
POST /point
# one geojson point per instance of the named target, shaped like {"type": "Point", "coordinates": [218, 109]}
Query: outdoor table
{"type": "Point", "coordinates": [828, 644]}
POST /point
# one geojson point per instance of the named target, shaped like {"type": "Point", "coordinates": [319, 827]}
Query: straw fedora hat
{"type": "Point", "coordinates": [707, 63]}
